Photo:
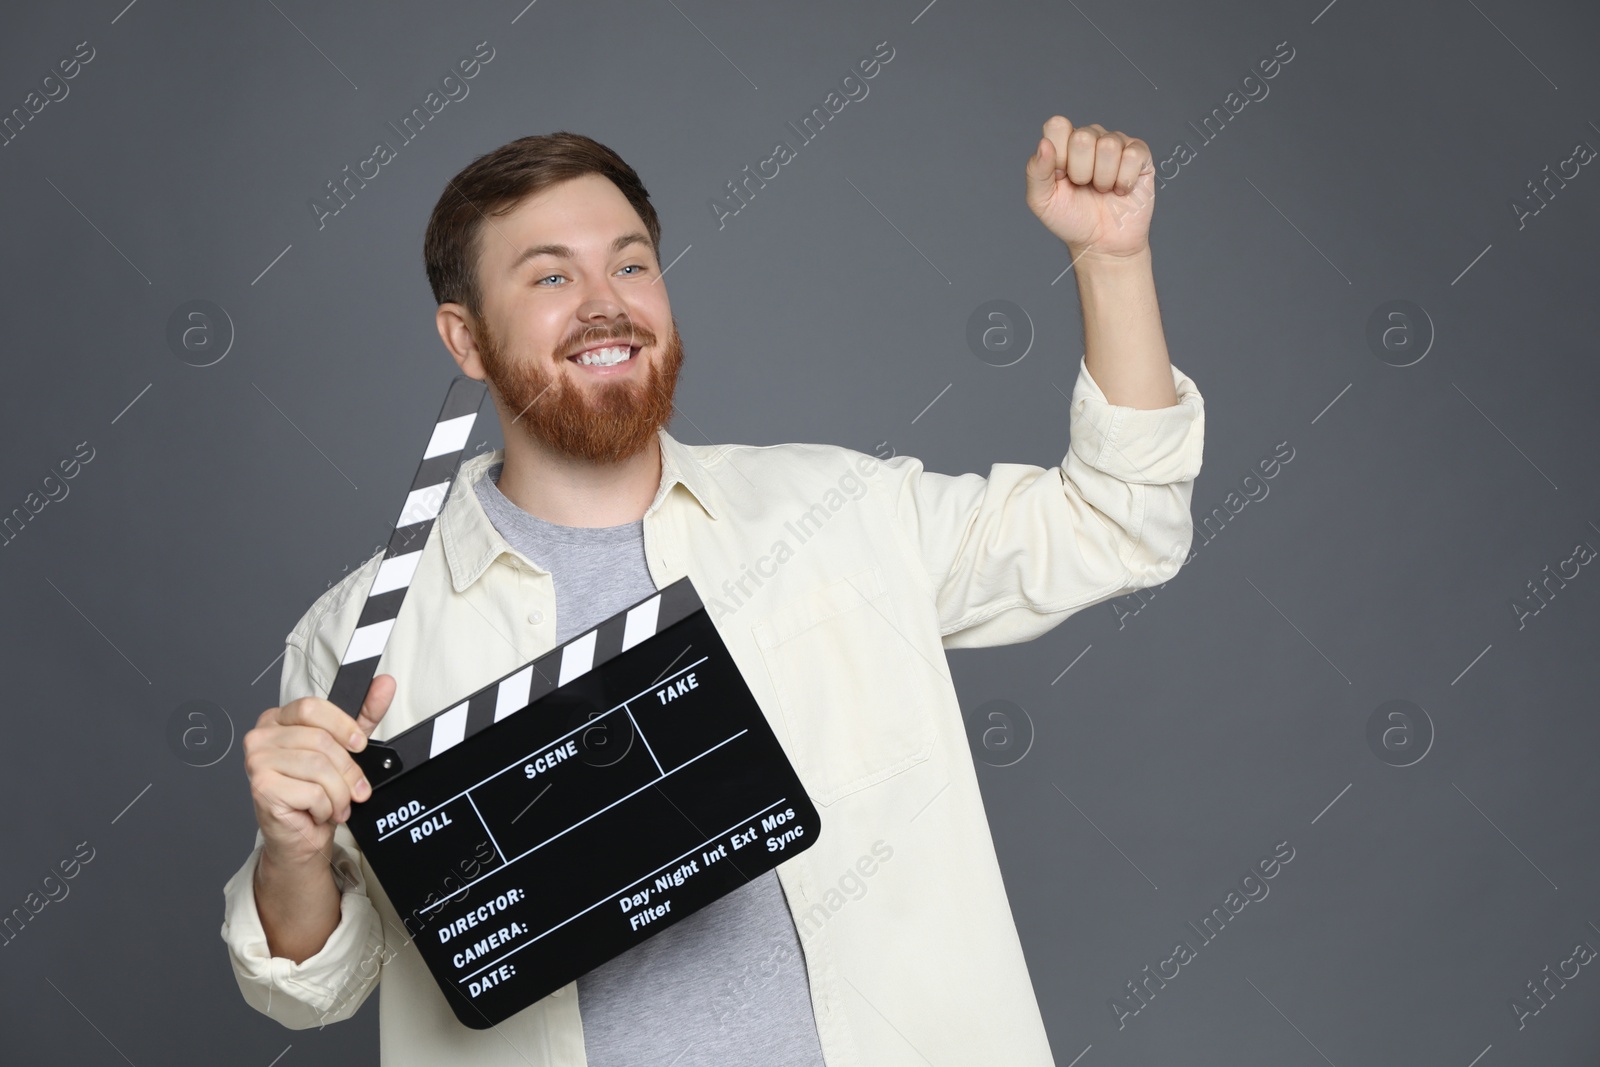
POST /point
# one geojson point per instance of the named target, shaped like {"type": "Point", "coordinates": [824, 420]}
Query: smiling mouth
{"type": "Point", "coordinates": [606, 355]}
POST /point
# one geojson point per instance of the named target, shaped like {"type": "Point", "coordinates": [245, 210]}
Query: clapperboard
{"type": "Point", "coordinates": [574, 807]}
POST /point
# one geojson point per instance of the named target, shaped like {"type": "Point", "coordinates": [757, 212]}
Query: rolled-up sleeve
{"type": "Point", "coordinates": [1011, 555]}
{"type": "Point", "coordinates": [332, 983]}
{"type": "Point", "coordinates": [325, 987]}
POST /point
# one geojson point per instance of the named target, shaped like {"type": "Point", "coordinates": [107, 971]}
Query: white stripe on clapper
{"type": "Point", "coordinates": [577, 657]}
{"type": "Point", "coordinates": [422, 504]}
{"type": "Point", "coordinates": [450, 435]}
{"type": "Point", "coordinates": [641, 622]}
{"type": "Point", "coordinates": [448, 729]}
{"type": "Point", "coordinates": [368, 641]}
{"type": "Point", "coordinates": [395, 573]}
{"type": "Point", "coordinates": [514, 693]}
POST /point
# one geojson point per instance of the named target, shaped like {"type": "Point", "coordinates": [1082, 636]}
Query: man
{"type": "Point", "coordinates": [836, 579]}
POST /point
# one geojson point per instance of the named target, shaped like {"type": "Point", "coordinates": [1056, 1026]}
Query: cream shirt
{"type": "Point", "coordinates": [836, 580]}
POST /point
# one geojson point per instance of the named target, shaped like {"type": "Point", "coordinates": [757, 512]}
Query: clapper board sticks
{"type": "Point", "coordinates": [560, 815]}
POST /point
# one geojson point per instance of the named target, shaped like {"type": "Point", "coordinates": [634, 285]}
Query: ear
{"type": "Point", "coordinates": [455, 325]}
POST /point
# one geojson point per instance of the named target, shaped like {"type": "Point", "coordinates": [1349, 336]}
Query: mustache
{"type": "Point", "coordinates": [628, 333]}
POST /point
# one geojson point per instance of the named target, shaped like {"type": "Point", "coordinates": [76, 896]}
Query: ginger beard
{"type": "Point", "coordinates": [601, 421]}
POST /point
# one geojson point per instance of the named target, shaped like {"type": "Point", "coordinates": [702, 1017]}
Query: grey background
{"type": "Point", "coordinates": [1228, 714]}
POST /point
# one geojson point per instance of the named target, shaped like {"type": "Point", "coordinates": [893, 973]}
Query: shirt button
{"type": "Point", "coordinates": [536, 617]}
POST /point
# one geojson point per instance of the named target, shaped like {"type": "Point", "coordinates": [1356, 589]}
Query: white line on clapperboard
{"type": "Point", "coordinates": [500, 959]}
{"type": "Point", "coordinates": [646, 740]}
{"type": "Point", "coordinates": [486, 830]}
{"type": "Point", "coordinates": [580, 822]}
{"type": "Point", "coordinates": [523, 759]}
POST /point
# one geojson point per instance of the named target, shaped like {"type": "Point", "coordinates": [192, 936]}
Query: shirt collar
{"type": "Point", "coordinates": [471, 542]}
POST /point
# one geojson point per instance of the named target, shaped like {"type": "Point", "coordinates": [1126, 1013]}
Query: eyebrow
{"type": "Point", "coordinates": [566, 251]}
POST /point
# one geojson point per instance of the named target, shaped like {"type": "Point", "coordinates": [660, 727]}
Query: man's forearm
{"type": "Point", "coordinates": [1124, 347]}
{"type": "Point", "coordinates": [299, 905]}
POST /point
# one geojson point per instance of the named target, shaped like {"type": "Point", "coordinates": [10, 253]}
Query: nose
{"type": "Point", "coordinates": [600, 304]}
{"type": "Point", "coordinates": [602, 315]}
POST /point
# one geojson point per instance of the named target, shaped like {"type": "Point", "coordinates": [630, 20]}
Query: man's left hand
{"type": "Point", "coordinates": [1093, 188]}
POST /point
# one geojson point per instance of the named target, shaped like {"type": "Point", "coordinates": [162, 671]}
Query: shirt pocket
{"type": "Point", "coordinates": [856, 711]}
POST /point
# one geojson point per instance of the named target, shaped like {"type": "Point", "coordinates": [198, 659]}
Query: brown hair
{"type": "Point", "coordinates": [493, 184]}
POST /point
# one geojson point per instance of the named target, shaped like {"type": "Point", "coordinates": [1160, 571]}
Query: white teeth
{"type": "Point", "coordinates": [604, 357]}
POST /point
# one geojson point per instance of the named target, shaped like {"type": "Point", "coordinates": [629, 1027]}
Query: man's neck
{"type": "Point", "coordinates": [575, 492]}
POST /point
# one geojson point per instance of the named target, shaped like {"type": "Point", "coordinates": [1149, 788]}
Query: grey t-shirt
{"type": "Point", "coordinates": [726, 986]}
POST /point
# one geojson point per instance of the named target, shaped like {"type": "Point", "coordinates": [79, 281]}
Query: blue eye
{"type": "Point", "coordinates": [638, 267]}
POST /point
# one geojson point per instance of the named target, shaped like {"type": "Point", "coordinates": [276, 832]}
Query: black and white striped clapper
{"type": "Point", "coordinates": [579, 804]}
